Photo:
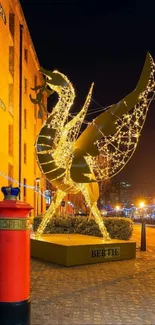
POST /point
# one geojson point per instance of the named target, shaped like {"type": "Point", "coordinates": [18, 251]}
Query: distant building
{"type": "Point", "coordinates": [19, 124]}
{"type": "Point", "coordinates": [118, 192]}
{"type": "Point", "coordinates": [125, 193]}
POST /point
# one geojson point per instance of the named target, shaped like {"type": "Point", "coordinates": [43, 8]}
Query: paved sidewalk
{"type": "Point", "coordinates": [108, 293]}
{"type": "Point", "coordinates": [147, 224]}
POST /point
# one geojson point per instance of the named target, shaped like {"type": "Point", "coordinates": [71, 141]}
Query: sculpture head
{"type": "Point", "coordinates": [55, 79]}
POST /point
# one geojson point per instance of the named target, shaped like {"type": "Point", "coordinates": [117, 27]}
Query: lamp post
{"type": "Point", "coordinates": [143, 228]}
{"type": "Point", "coordinates": [37, 187]}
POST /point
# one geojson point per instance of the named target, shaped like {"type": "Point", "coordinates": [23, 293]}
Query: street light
{"type": "Point", "coordinates": [143, 227]}
{"type": "Point", "coordinates": [142, 204]}
{"type": "Point", "coordinates": [37, 189]}
{"type": "Point", "coordinates": [117, 208]}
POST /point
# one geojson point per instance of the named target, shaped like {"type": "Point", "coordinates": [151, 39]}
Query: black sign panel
{"type": "Point", "coordinates": [106, 252]}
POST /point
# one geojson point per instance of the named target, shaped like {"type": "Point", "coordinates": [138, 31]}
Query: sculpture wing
{"type": "Point", "coordinates": [114, 134]}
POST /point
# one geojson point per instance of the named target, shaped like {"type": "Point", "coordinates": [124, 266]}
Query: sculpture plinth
{"type": "Point", "coordinates": [74, 249]}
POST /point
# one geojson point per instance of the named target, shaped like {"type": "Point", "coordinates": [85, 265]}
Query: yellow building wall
{"type": "Point", "coordinates": [29, 170]}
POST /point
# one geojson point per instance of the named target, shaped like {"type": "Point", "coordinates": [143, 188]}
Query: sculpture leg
{"type": "Point", "coordinates": [96, 213]}
{"type": "Point", "coordinates": [99, 221]}
{"type": "Point", "coordinates": [50, 212]}
{"type": "Point", "coordinates": [90, 215]}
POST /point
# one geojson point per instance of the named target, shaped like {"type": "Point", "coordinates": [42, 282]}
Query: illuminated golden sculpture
{"type": "Point", "coordinates": [74, 163]}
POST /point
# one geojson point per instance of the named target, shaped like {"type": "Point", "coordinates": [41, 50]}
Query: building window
{"type": "Point", "coordinates": [11, 60]}
{"type": "Point", "coordinates": [35, 111]}
{"type": "Point", "coordinates": [10, 99]}
{"type": "Point", "coordinates": [25, 153]}
{"type": "Point", "coordinates": [35, 81]}
{"type": "Point", "coordinates": [24, 188]}
{"type": "Point", "coordinates": [10, 173]}
{"type": "Point", "coordinates": [35, 106]}
{"type": "Point", "coordinates": [26, 55]}
{"type": "Point", "coordinates": [12, 23]}
{"type": "Point", "coordinates": [43, 99]}
{"type": "Point", "coordinates": [25, 85]}
{"type": "Point", "coordinates": [42, 202]}
{"type": "Point", "coordinates": [35, 161]}
{"type": "Point", "coordinates": [44, 102]}
{"type": "Point", "coordinates": [25, 118]}
{"type": "Point", "coordinates": [10, 138]}
{"type": "Point", "coordinates": [34, 200]}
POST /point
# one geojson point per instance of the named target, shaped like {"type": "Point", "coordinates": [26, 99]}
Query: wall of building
{"type": "Point", "coordinates": [12, 25]}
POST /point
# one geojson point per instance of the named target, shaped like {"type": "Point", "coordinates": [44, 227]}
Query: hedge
{"type": "Point", "coordinates": [118, 227]}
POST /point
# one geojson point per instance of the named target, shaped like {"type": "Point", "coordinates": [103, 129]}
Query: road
{"type": "Point", "coordinates": [150, 236]}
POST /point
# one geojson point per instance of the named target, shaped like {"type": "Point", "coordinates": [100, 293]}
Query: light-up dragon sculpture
{"type": "Point", "coordinates": [73, 162]}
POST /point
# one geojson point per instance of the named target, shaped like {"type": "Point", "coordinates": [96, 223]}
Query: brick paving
{"type": "Point", "coordinates": [109, 293]}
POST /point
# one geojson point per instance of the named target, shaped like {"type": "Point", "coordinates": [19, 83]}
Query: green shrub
{"type": "Point", "coordinates": [118, 227]}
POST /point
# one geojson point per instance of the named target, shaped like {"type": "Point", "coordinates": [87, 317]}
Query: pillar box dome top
{"type": "Point", "coordinates": [10, 193]}
{"type": "Point", "coordinates": [11, 199]}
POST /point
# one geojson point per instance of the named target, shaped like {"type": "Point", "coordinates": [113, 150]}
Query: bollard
{"type": "Point", "coordinates": [14, 259]}
{"type": "Point", "coordinates": [143, 236]}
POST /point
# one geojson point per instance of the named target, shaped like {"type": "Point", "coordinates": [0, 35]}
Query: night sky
{"type": "Point", "coordinates": [105, 43]}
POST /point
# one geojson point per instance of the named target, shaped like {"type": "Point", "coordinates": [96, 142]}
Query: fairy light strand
{"type": "Point", "coordinates": [22, 185]}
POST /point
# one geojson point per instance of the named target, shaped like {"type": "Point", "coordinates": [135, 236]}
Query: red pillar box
{"type": "Point", "coordinates": [14, 259]}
